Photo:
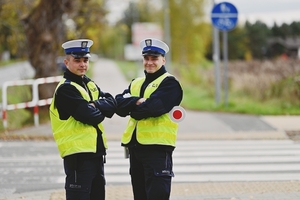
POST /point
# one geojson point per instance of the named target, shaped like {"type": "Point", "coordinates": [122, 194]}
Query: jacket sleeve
{"type": "Point", "coordinates": [125, 103]}
{"type": "Point", "coordinates": [69, 102]}
{"type": "Point", "coordinates": [106, 104]}
{"type": "Point", "coordinates": [161, 101]}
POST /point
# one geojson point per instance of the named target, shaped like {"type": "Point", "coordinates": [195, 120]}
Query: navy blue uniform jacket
{"type": "Point", "coordinates": [162, 100]}
{"type": "Point", "coordinates": [70, 102]}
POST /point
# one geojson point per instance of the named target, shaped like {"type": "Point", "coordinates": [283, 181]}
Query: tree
{"type": "Point", "coordinates": [295, 27]}
{"type": "Point", "coordinates": [287, 30]}
{"type": "Point", "coordinates": [237, 43]}
{"type": "Point", "coordinates": [277, 31]}
{"type": "Point", "coordinates": [142, 11]}
{"type": "Point", "coordinates": [45, 32]}
{"type": "Point", "coordinates": [190, 35]}
{"type": "Point", "coordinates": [44, 29]}
{"type": "Point", "coordinates": [10, 14]}
{"type": "Point", "coordinates": [88, 21]}
{"type": "Point", "coordinates": [258, 34]}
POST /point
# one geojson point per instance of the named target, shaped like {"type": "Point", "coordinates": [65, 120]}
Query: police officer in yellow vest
{"type": "Point", "coordinates": [150, 135]}
{"type": "Point", "coordinates": [76, 112]}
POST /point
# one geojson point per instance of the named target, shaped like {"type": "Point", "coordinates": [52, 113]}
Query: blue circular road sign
{"type": "Point", "coordinates": [224, 16]}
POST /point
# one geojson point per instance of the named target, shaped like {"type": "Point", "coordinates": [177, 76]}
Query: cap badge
{"type": "Point", "coordinates": [148, 42]}
{"type": "Point", "coordinates": [84, 44]}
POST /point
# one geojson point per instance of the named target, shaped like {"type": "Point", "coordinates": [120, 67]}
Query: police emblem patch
{"type": "Point", "coordinates": [148, 42]}
{"type": "Point", "coordinates": [84, 44]}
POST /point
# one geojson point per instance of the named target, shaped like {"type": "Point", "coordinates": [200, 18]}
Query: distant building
{"type": "Point", "coordinates": [289, 47]}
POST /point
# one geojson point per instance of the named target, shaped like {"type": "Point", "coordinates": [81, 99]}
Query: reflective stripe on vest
{"type": "Point", "coordinates": [72, 136]}
{"type": "Point", "coordinates": [154, 130]}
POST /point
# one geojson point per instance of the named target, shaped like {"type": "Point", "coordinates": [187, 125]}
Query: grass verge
{"type": "Point", "coordinates": [199, 94]}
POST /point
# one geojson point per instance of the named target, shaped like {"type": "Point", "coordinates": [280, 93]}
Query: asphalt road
{"type": "Point", "coordinates": [29, 166]}
{"type": "Point", "coordinates": [16, 71]}
{"type": "Point", "coordinates": [35, 165]}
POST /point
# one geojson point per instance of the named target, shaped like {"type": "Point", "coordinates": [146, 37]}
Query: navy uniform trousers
{"type": "Point", "coordinates": [84, 178]}
{"type": "Point", "coordinates": [151, 173]}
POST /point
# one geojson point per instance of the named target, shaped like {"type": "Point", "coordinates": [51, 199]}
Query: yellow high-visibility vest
{"type": "Point", "coordinates": [154, 130]}
{"type": "Point", "coordinates": [72, 136]}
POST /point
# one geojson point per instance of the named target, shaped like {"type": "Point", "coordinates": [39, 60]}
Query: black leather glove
{"type": "Point", "coordinates": [110, 98]}
{"type": "Point", "coordinates": [107, 105]}
{"type": "Point", "coordinates": [105, 94]}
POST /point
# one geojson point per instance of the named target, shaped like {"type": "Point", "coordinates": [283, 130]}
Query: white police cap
{"type": "Point", "coordinates": [154, 47]}
{"type": "Point", "coordinates": [78, 48]}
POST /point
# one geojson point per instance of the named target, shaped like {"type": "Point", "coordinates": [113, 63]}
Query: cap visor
{"type": "Point", "coordinates": [151, 53]}
{"type": "Point", "coordinates": [81, 55]}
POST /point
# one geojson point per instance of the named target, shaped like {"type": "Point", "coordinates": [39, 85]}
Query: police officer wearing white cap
{"type": "Point", "coordinates": [76, 112]}
{"type": "Point", "coordinates": [150, 135]}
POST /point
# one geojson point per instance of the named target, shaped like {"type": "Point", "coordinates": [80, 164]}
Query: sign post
{"type": "Point", "coordinates": [224, 17]}
{"type": "Point", "coordinates": [216, 59]}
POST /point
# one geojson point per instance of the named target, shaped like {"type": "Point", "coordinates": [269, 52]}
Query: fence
{"type": "Point", "coordinates": [35, 103]}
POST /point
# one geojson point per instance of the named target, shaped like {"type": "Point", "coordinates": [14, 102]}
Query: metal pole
{"type": "Point", "coordinates": [216, 56]}
{"type": "Point", "coordinates": [225, 58]}
{"type": "Point", "coordinates": [167, 34]}
{"type": "Point", "coordinates": [216, 59]}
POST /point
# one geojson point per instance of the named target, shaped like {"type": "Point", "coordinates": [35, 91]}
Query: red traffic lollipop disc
{"type": "Point", "coordinates": [177, 114]}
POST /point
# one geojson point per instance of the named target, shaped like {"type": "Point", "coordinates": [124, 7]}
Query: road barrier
{"type": "Point", "coordinates": [35, 103]}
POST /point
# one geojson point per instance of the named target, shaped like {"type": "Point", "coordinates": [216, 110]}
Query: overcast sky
{"type": "Point", "coordinates": [268, 11]}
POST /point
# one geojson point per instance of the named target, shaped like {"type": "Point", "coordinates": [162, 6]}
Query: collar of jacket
{"type": "Point", "coordinates": [155, 75]}
{"type": "Point", "coordinates": [73, 77]}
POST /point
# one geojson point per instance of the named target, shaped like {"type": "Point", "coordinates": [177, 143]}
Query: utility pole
{"type": "Point", "coordinates": [167, 34]}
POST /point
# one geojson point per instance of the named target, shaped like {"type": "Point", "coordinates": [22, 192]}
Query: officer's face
{"type": "Point", "coordinates": [153, 63]}
{"type": "Point", "coordinates": [78, 66]}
